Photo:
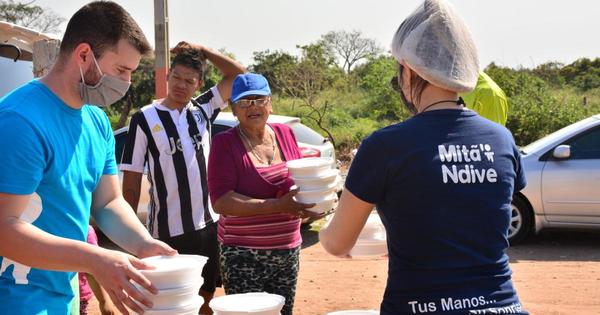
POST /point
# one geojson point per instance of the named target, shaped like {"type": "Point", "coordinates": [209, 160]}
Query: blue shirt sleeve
{"type": "Point", "coordinates": [366, 177]}
{"type": "Point", "coordinates": [110, 166]}
{"type": "Point", "coordinates": [110, 163]}
{"type": "Point", "coordinates": [24, 159]}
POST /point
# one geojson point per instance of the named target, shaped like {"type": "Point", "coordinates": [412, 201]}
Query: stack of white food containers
{"type": "Point", "coordinates": [316, 181]}
{"type": "Point", "coordinates": [372, 240]}
{"type": "Point", "coordinates": [256, 303]}
{"type": "Point", "coordinates": [178, 280]}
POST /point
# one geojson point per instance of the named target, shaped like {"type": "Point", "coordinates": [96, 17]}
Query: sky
{"type": "Point", "coordinates": [513, 33]}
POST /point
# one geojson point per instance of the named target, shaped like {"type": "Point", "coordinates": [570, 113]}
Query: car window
{"type": "Point", "coordinates": [305, 134]}
{"type": "Point", "coordinates": [586, 146]}
{"type": "Point", "coordinates": [120, 140]}
{"type": "Point", "coordinates": [218, 128]}
{"type": "Point", "coordinates": [562, 133]}
{"type": "Point", "coordinates": [14, 74]}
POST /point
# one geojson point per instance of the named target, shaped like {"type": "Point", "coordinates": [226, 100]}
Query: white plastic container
{"type": "Point", "coordinates": [314, 196]}
{"type": "Point", "coordinates": [325, 205]}
{"type": "Point", "coordinates": [248, 303]}
{"type": "Point", "coordinates": [174, 271]}
{"type": "Point", "coordinates": [191, 309]}
{"type": "Point", "coordinates": [372, 239]}
{"type": "Point", "coordinates": [373, 227]}
{"type": "Point", "coordinates": [315, 186]}
{"type": "Point", "coordinates": [309, 167]}
{"type": "Point", "coordinates": [355, 312]}
{"type": "Point", "coordinates": [328, 178]}
{"type": "Point", "coordinates": [369, 248]}
{"type": "Point", "coordinates": [173, 298]}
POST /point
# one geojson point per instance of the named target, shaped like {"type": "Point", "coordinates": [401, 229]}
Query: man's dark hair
{"type": "Point", "coordinates": [191, 58]}
{"type": "Point", "coordinates": [102, 24]}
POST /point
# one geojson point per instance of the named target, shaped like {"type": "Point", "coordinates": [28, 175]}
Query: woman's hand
{"type": "Point", "coordinates": [287, 204]}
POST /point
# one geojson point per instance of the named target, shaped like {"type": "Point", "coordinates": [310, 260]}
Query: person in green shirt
{"type": "Point", "coordinates": [488, 99]}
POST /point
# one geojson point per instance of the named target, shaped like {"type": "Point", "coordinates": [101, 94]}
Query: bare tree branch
{"type": "Point", "coordinates": [350, 47]}
{"type": "Point", "coordinates": [31, 16]}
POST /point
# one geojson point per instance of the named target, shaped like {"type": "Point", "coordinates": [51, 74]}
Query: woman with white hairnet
{"type": "Point", "coordinates": [442, 181]}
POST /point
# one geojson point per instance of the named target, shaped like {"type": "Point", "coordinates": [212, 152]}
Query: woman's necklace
{"type": "Point", "coordinates": [459, 102]}
{"type": "Point", "coordinates": [252, 148]}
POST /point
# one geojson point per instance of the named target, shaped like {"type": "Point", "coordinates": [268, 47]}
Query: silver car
{"type": "Point", "coordinates": [563, 182]}
{"type": "Point", "coordinates": [311, 144]}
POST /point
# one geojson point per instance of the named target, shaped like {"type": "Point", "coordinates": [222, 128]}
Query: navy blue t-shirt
{"type": "Point", "coordinates": [442, 182]}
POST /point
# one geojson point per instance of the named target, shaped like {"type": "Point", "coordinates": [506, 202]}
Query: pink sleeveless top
{"type": "Point", "coordinates": [230, 168]}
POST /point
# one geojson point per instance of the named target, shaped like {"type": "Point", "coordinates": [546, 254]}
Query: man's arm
{"type": "Point", "coordinates": [118, 221]}
{"type": "Point", "coordinates": [31, 246]}
{"type": "Point", "coordinates": [228, 67]}
{"type": "Point", "coordinates": [132, 183]}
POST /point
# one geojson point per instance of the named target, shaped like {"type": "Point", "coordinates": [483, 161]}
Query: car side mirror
{"type": "Point", "coordinates": [562, 152]}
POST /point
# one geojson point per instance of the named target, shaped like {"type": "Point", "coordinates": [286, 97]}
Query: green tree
{"type": "Point", "coordinates": [550, 72]}
{"type": "Point", "coordinates": [375, 77]}
{"type": "Point", "coordinates": [274, 66]}
{"type": "Point", "coordinates": [29, 15]}
{"type": "Point", "coordinates": [307, 80]}
{"type": "Point", "coordinates": [534, 111]}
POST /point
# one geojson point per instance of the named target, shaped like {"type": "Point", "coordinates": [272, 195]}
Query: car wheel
{"type": "Point", "coordinates": [520, 220]}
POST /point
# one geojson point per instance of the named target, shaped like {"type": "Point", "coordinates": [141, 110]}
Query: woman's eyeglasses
{"type": "Point", "coordinates": [259, 102]}
{"type": "Point", "coordinates": [394, 84]}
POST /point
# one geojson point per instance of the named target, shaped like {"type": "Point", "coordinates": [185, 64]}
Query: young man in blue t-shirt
{"type": "Point", "coordinates": [58, 163]}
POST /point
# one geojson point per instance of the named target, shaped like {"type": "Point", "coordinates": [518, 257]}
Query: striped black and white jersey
{"type": "Point", "coordinates": [174, 147]}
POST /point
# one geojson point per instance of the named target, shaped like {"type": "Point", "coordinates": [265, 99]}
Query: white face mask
{"type": "Point", "coordinates": [106, 92]}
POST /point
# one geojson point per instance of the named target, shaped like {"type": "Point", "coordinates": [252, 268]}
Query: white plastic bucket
{"type": "Point", "coordinates": [369, 248]}
{"type": "Point", "coordinates": [175, 271]}
{"type": "Point", "coordinates": [190, 309]}
{"type": "Point", "coordinates": [325, 205]}
{"type": "Point", "coordinates": [314, 196]}
{"type": "Point", "coordinates": [308, 167]}
{"type": "Point", "coordinates": [328, 178]}
{"type": "Point", "coordinates": [373, 227]}
{"type": "Point", "coordinates": [173, 298]}
{"type": "Point", "coordinates": [248, 303]}
{"type": "Point", "coordinates": [372, 239]}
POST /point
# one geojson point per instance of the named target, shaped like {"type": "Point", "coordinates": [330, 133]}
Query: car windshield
{"type": "Point", "coordinates": [306, 135]}
{"type": "Point", "coordinates": [549, 139]}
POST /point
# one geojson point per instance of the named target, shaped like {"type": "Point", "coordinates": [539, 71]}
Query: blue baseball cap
{"type": "Point", "coordinates": [249, 84]}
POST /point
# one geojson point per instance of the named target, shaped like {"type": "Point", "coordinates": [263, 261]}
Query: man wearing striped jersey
{"type": "Point", "coordinates": [170, 138]}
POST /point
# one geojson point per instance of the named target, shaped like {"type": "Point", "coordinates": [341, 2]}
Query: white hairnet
{"type": "Point", "coordinates": [435, 42]}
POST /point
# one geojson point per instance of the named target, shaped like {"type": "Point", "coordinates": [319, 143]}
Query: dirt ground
{"type": "Point", "coordinates": [555, 273]}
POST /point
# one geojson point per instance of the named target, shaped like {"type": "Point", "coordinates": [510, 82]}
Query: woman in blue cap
{"type": "Point", "coordinates": [442, 181]}
{"type": "Point", "coordinates": [249, 184]}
